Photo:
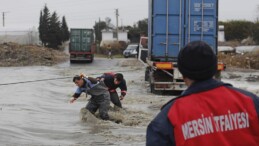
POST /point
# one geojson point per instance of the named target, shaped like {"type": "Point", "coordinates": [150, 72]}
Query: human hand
{"type": "Point", "coordinates": [82, 75]}
{"type": "Point", "coordinates": [121, 97]}
{"type": "Point", "coordinates": [72, 100]}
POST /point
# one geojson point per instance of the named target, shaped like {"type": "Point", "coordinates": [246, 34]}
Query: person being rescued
{"type": "Point", "coordinates": [100, 97]}
{"type": "Point", "coordinates": [114, 81]}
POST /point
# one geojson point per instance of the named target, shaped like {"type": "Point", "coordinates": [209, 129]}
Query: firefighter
{"type": "Point", "coordinates": [114, 81]}
{"type": "Point", "coordinates": [100, 95]}
{"type": "Point", "coordinates": [209, 112]}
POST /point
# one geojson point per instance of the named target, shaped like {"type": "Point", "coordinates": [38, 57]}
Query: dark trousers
{"type": "Point", "coordinates": [100, 102]}
{"type": "Point", "coordinates": [115, 99]}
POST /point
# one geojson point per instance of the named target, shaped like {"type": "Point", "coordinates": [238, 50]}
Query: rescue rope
{"type": "Point", "coordinates": [23, 82]}
{"type": "Point", "coordinates": [34, 81]}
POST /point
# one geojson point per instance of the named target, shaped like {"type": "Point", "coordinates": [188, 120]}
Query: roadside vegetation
{"type": "Point", "coordinates": [52, 32]}
{"type": "Point", "coordinates": [248, 60]}
{"type": "Point", "coordinates": [238, 30]}
{"type": "Point", "coordinates": [12, 54]}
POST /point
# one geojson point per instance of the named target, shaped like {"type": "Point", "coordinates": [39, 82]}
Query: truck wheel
{"type": "Point", "coordinates": [152, 88]}
{"type": "Point", "coordinates": [147, 74]}
{"type": "Point", "coordinates": [92, 59]}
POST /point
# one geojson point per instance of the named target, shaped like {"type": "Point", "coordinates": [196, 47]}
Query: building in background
{"type": "Point", "coordinates": [111, 35]}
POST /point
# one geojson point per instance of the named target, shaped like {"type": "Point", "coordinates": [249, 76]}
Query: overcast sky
{"type": "Point", "coordinates": [83, 13]}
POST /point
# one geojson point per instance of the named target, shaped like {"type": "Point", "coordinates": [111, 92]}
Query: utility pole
{"type": "Point", "coordinates": [99, 36]}
{"type": "Point", "coordinates": [117, 23]}
{"type": "Point", "coordinates": [4, 18]}
{"type": "Point", "coordinates": [99, 31]}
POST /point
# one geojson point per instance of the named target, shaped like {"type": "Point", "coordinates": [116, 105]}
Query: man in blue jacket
{"type": "Point", "coordinates": [209, 112]}
{"type": "Point", "coordinates": [100, 95]}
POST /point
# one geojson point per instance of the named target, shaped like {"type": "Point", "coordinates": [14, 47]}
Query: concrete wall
{"type": "Point", "coordinates": [107, 36]}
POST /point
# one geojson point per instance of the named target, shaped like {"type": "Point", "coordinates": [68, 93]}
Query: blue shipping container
{"type": "Point", "coordinates": [174, 23]}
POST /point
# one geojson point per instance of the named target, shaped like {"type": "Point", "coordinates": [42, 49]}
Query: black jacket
{"type": "Point", "coordinates": [109, 82]}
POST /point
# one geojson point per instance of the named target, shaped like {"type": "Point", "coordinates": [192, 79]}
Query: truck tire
{"type": "Point", "coordinates": [147, 74]}
{"type": "Point", "coordinates": [91, 60]}
{"type": "Point", "coordinates": [152, 88]}
{"type": "Point", "coordinates": [72, 61]}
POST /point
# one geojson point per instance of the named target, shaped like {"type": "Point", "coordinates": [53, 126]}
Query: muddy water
{"type": "Point", "coordinates": [39, 113]}
{"type": "Point", "coordinates": [247, 80]}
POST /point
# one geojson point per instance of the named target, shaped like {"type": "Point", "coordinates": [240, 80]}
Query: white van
{"type": "Point", "coordinates": [130, 51]}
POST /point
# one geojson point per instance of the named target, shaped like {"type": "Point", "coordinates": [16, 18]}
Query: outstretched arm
{"type": "Point", "coordinates": [76, 95]}
{"type": "Point", "coordinates": [74, 98]}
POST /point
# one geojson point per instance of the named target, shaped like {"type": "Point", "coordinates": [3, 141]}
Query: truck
{"type": "Point", "coordinates": [81, 46]}
{"type": "Point", "coordinates": [173, 24]}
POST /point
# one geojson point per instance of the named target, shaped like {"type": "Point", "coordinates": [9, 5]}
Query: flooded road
{"type": "Point", "coordinates": [39, 113]}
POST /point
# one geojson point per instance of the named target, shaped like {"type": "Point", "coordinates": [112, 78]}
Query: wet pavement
{"type": "Point", "coordinates": [39, 113]}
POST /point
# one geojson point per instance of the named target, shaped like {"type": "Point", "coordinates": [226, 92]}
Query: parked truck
{"type": "Point", "coordinates": [172, 25]}
{"type": "Point", "coordinates": [81, 46]}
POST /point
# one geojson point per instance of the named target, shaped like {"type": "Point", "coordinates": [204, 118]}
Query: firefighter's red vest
{"type": "Point", "coordinates": [217, 117]}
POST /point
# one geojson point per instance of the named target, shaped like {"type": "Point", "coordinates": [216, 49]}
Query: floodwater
{"type": "Point", "coordinates": [247, 80]}
{"type": "Point", "coordinates": [39, 113]}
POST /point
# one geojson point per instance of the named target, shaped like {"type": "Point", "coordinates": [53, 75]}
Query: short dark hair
{"type": "Point", "coordinates": [119, 77]}
{"type": "Point", "coordinates": [76, 77]}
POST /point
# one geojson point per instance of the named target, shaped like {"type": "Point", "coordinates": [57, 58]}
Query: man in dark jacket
{"type": "Point", "coordinates": [209, 112]}
{"type": "Point", "coordinates": [100, 96]}
{"type": "Point", "coordinates": [114, 81]}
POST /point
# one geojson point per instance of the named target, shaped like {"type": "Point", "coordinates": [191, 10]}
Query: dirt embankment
{"type": "Point", "coordinates": [246, 61]}
{"type": "Point", "coordinates": [12, 54]}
